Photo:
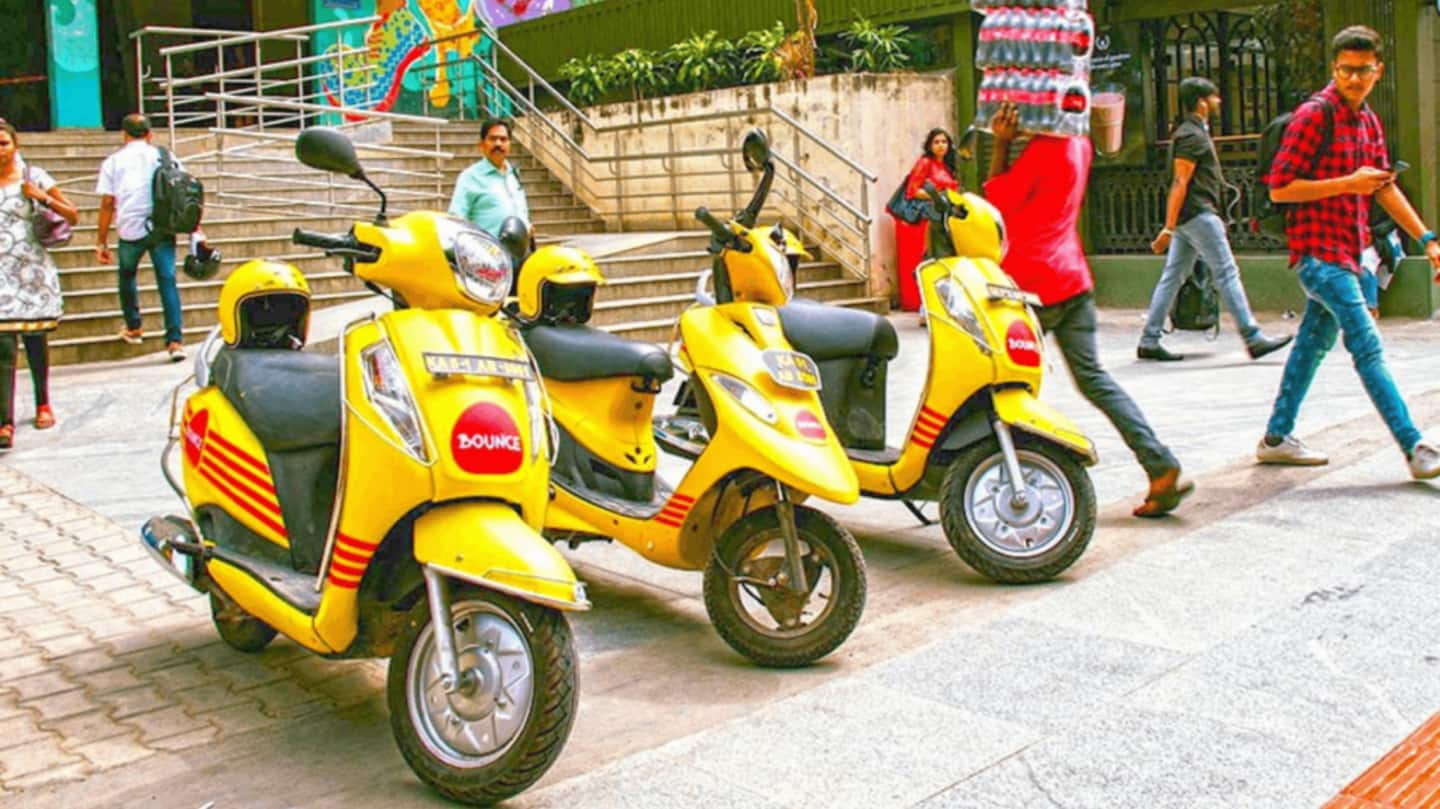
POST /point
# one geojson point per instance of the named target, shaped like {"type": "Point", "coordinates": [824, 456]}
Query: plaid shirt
{"type": "Point", "coordinates": [1334, 230]}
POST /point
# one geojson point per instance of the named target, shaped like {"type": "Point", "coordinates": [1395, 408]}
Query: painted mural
{"type": "Point", "coordinates": [412, 59]}
{"type": "Point", "coordinates": [74, 48]}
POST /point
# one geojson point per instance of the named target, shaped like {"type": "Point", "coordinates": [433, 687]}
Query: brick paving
{"type": "Point", "coordinates": [106, 661]}
{"type": "Point", "coordinates": [1408, 777]}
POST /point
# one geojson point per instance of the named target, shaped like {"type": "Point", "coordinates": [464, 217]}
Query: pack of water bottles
{"type": "Point", "coordinates": [1035, 54]}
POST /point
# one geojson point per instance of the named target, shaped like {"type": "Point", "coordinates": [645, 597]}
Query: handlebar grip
{"type": "Point", "coordinates": [722, 233]}
{"type": "Point", "coordinates": [324, 241]}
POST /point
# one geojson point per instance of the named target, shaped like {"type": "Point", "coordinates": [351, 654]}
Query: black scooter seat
{"type": "Point", "coordinates": [577, 353]}
{"type": "Point", "coordinates": [831, 332]}
{"type": "Point", "coordinates": [289, 399]}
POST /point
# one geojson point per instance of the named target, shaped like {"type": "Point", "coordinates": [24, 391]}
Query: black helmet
{"type": "Point", "coordinates": [203, 263]}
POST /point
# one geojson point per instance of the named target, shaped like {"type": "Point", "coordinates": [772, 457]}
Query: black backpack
{"type": "Point", "coordinates": [179, 198]}
{"type": "Point", "coordinates": [1269, 217]}
{"type": "Point", "coordinates": [1197, 304]}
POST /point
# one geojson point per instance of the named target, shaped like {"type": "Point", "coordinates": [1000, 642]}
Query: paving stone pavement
{"type": "Point", "coordinates": [1260, 649]}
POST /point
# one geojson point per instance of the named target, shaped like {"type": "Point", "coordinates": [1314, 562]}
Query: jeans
{"type": "Point", "coordinates": [162, 256]}
{"type": "Point", "coordinates": [1200, 238]}
{"type": "Point", "coordinates": [1072, 323]}
{"type": "Point", "coordinates": [1336, 305]}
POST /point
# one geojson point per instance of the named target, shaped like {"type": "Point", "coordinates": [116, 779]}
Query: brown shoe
{"type": "Point", "coordinates": [132, 336]}
{"type": "Point", "coordinates": [176, 351]}
{"type": "Point", "coordinates": [1166, 492]}
{"type": "Point", "coordinates": [44, 417]}
{"type": "Point", "coordinates": [7, 437]}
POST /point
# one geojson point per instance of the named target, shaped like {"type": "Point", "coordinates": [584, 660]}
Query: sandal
{"type": "Point", "coordinates": [44, 417]}
{"type": "Point", "coordinates": [7, 437]}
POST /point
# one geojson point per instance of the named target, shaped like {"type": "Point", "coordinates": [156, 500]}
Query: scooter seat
{"type": "Point", "coordinates": [831, 332]}
{"type": "Point", "coordinates": [576, 353]}
{"type": "Point", "coordinates": [289, 399]}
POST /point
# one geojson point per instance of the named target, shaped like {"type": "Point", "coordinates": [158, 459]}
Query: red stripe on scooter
{"type": "Point", "coordinates": [351, 556]}
{"type": "Point", "coordinates": [234, 467]}
{"type": "Point", "coordinates": [670, 521]}
{"type": "Point", "coordinates": [681, 498]}
{"type": "Point", "coordinates": [934, 414]}
{"type": "Point", "coordinates": [929, 419]}
{"type": "Point", "coordinates": [205, 472]}
{"type": "Point", "coordinates": [920, 442]}
{"type": "Point", "coordinates": [343, 583]}
{"type": "Point", "coordinates": [676, 510]}
{"type": "Point", "coordinates": [356, 545]}
{"type": "Point", "coordinates": [250, 494]}
{"type": "Point", "coordinates": [337, 567]}
{"type": "Point", "coordinates": [239, 453]}
{"type": "Point", "coordinates": [929, 429]}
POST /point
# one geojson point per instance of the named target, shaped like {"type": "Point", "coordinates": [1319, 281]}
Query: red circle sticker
{"type": "Point", "coordinates": [1022, 345]}
{"type": "Point", "coordinates": [485, 441]}
{"type": "Point", "coordinates": [808, 425]}
{"type": "Point", "coordinates": [195, 428]}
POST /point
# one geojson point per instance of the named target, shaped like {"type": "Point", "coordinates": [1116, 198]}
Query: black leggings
{"type": "Point", "coordinates": [37, 355]}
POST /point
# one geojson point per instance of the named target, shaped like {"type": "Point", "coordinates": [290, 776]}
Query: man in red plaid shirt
{"type": "Point", "coordinates": [1330, 192]}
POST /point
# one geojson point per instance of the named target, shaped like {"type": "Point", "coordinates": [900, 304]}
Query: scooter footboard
{"type": "Point", "coordinates": [1022, 411]}
{"type": "Point", "coordinates": [489, 545]}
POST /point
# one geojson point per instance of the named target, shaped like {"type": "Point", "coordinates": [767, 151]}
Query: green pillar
{"type": "Point", "coordinates": [72, 33]}
{"type": "Point", "coordinates": [964, 27]}
{"type": "Point", "coordinates": [1418, 98]}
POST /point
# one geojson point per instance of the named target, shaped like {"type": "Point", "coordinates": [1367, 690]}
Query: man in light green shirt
{"type": "Point", "coordinates": [489, 191]}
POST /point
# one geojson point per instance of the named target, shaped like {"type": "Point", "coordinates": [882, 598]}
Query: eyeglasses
{"type": "Point", "coordinates": [1356, 71]}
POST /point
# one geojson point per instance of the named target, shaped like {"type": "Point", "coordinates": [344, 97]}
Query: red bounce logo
{"type": "Point", "coordinates": [195, 428]}
{"type": "Point", "coordinates": [486, 441]}
{"type": "Point", "coordinates": [809, 426]}
{"type": "Point", "coordinates": [1021, 345]}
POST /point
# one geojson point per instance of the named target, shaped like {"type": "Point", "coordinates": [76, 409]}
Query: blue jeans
{"type": "Point", "coordinates": [1200, 238]}
{"type": "Point", "coordinates": [162, 256]}
{"type": "Point", "coordinates": [1337, 305]}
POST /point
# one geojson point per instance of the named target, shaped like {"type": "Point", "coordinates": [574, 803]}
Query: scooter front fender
{"type": "Point", "coordinates": [1021, 410]}
{"type": "Point", "coordinates": [489, 545]}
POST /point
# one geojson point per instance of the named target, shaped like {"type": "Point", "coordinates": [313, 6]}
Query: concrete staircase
{"type": "Point", "coordinates": [652, 276]}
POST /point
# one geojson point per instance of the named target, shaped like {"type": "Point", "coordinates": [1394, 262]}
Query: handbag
{"type": "Point", "coordinates": [51, 229]}
{"type": "Point", "coordinates": [909, 211]}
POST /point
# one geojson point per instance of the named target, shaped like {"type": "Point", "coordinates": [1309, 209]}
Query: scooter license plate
{"type": "Point", "coordinates": [999, 293]}
{"type": "Point", "coordinates": [443, 365]}
{"type": "Point", "coordinates": [791, 369]}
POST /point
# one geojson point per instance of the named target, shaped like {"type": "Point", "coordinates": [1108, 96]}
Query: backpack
{"type": "Point", "coordinates": [1269, 217]}
{"type": "Point", "coordinates": [179, 198]}
{"type": "Point", "coordinates": [1197, 304]}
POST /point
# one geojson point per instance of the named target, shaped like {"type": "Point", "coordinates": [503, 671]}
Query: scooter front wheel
{"type": "Point", "coordinates": [754, 609]}
{"type": "Point", "coordinates": [1010, 540]}
{"type": "Point", "coordinates": [505, 725]}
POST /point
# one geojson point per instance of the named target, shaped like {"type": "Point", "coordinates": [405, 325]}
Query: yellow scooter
{"type": "Point", "coordinates": [784, 584]}
{"type": "Point", "coordinates": [388, 501]}
{"type": "Point", "coordinates": [1008, 470]}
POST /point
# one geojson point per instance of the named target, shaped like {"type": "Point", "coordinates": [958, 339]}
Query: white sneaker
{"type": "Point", "coordinates": [1425, 461]}
{"type": "Point", "coordinates": [1290, 452]}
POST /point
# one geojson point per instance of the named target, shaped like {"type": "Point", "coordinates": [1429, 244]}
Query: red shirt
{"type": "Point", "coordinates": [928, 168]}
{"type": "Point", "coordinates": [1040, 198]}
{"type": "Point", "coordinates": [1334, 230]}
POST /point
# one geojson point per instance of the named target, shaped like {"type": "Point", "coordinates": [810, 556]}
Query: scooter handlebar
{"type": "Point", "coordinates": [722, 233]}
{"type": "Point", "coordinates": [324, 241]}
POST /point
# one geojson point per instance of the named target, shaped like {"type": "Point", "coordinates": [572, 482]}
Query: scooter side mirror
{"type": "Point", "coordinates": [755, 150]}
{"type": "Point", "coordinates": [327, 149]}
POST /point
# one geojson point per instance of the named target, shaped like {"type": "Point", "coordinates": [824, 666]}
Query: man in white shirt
{"type": "Point", "coordinates": [126, 200]}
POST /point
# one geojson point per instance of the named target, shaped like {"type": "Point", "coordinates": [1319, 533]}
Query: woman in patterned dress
{"type": "Point", "coordinates": [29, 283]}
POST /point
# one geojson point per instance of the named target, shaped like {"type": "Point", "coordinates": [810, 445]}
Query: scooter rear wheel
{"type": "Point", "coordinates": [1009, 543]}
{"type": "Point", "coordinates": [762, 619]}
{"type": "Point", "coordinates": [241, 632]}
{"type": "Point", "coordinates": [492, 740]}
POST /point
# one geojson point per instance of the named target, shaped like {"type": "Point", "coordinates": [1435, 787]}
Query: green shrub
{"type": "Point", "coordinates": [641, 71]}
{"type": "Point", "coordinates": [758, 62]}
{"type": "Point", "coordinates": [876, 48]}
{"type": "Point", "coordinates": [702, 61]}
{"type": "Point", "coordinates": [589, 78]}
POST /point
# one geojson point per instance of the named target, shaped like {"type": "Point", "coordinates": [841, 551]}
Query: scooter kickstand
{"type": "Point", "coordinates": [437, 591]}
{"type": "Point", "coordinates": [796, 566]}
{"type": "Point", "coordinates": [918, 512]}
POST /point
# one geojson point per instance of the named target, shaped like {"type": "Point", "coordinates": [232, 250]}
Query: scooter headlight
{"type": "Point", "coordinates": [962, 311]}
{"type": "Point", "coordinates": [387, 390]}
{"type": "Point", "coordinates": [781, 265]}
{"type": "Point", "coordinates": [749, 398]}
{"type": "Point", "coordinates": [482, 267]}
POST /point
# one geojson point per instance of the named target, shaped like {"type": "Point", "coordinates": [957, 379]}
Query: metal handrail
{"type": "Point", "coordinates": [256, 36]}
{"type": "Point", "coordinates": [173, 31]}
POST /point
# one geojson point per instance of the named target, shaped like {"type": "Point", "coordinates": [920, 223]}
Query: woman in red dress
{"type": "Point", "coordinates": [936, 165]}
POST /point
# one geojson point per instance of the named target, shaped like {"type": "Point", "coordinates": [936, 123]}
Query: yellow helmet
{"type": "Point", "coordinates": [557, 284]}
{"type": "Point", "coordinates": [976, 228]}
{"type": "Point", "coordinates": [265, 304]}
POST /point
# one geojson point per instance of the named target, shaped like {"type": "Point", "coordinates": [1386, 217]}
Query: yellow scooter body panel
{"type": "Point", "coordinates": [609, 418]}
{"type": "Point", "coordinates": [255, 599]}
{"type": "Point", "coordinates": [1021, 410]}
{"type": "Point", "coordinates": [409, 245]}
{"type": "Point", "coordinates": [799, 449]}
{"type": "Point", "coordinates": [488, 544]}
{"type": "Point", "coordinates": [224, 465]}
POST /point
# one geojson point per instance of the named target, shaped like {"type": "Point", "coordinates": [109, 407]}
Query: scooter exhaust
{"type": "Point", "coordinates": [172, 542]}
